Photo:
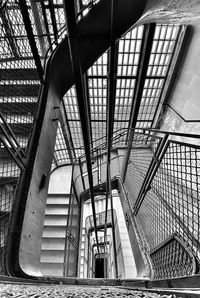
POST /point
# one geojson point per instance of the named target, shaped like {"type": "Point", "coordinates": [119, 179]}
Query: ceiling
{"type": "Point", "coordinates": [22, 67]}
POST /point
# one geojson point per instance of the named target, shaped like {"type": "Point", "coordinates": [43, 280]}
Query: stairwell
{"type": "Point", "coordinates": [60, 234]}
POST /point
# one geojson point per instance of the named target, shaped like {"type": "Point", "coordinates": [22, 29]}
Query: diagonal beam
{"type": "Point", "coordinates": [113, 54]}
{"type": "Point", "coordinates": [85, 80]}
{"type": "Point", "coordinates": [9, 32]}
{"type": "Point", "coordinates": [82, 103]}
{"type": "Point", "coordinates": [64, 128]}
{"type": "Point", "coordinates": [67, 129]}
{"type": "Point", "coordinates": [31, 38]}
{"type": "Point", "coordinates": [46, 22]}
{"type": "Point", "coordinates": [10, 142]}
{"type": "Point", "coordinates": [141, 77]}
{"type": "Point", "coordinates": [53, 18]}
{"type": "Point", "coordinates": [38, 27]}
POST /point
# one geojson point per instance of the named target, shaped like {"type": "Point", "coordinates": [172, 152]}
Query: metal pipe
{"type": "Point", "coordinates": [87, 97]}
{"type": "Point", "coordinates": [151, 172]}
{"type": "Point", "coordinates": [78, 75]}
{"type": "Point", "coordinates": [113, 54]}
{"type": "Point", "coordinates": [113, 224]}
{"type": "Point", "coordinates": [81, 170]}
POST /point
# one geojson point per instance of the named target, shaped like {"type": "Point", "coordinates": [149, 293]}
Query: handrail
{"type": "Point", "coordinates": [64, 28]}
{"type": "Point", "coordinates": [140, 131]}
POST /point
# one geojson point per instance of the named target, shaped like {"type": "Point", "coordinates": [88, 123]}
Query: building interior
{"type": "Point", "coordinates": [99, 142]}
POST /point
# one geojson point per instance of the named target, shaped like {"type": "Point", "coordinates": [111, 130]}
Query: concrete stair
{"type": "Point", "coordinates": [53, 250]}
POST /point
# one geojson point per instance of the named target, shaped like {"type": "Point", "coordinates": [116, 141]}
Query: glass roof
{"type": "Point", "coordinates": [129, 51]}
{"type": "Point", "coordinates": [19, 83]}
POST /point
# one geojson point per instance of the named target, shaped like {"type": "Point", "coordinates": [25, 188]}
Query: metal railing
{"type": "Point", "coordinates": [163, 183]}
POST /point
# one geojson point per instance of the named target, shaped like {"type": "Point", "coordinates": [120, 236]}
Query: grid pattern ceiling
{"type": "Point", "coordinates": [19, 82]}
{"type": "Point", "coordinates": [128, 63]}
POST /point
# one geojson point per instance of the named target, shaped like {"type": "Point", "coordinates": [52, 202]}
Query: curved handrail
{"type": "Point", "coordinates": [64, 28]}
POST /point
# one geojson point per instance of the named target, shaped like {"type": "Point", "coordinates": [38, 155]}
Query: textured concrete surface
{"type": "Point", "coordinates": [171, 11]}
{"type": "Point", "coordinates": [36, 291]}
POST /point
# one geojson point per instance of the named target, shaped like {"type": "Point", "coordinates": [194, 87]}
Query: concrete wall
{"type": "Point", "coordinates": [169, 11]}
{"type": "Point", "coordinates": [141, 267]}
{"type": "Point", "coordinates": [126, 261]}
{"type": "Point", "coordinates": [29, 254]}
{"type": "Point", "coordinates": [60, 180]}
{"type": "Point", "coordinates": [184, 97]}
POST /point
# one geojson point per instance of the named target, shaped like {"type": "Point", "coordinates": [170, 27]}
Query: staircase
{"type": "Point", "coordinates": [55, 249]}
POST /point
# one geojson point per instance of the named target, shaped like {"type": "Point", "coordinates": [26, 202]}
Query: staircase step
{"type": "Point", "coordinates": [18, 108]}
{"type": "Point", "coordinates": [56, 210]}
{"type": "Point", "coordinates": [55, 257]}
{"type": "Point", "coordinates": [52, 256]}
{"type": "Point", "coordinates": [60, 208]}
{"type": "Point", "coordinates": [54, 231]}
{"type": "Point", "coordinates": [55, 220]}
{"type": "Point", "coordinates": [53, 243]}
{"type": "Point", "coordinates": [54, 199]}
{"type": "Point", "coordinates": [20, 90]}
{"type": "Point", "coordinates": [19, 74]}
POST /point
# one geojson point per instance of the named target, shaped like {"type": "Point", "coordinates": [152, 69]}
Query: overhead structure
{"type": "Point", "coordinates": [83, 85]}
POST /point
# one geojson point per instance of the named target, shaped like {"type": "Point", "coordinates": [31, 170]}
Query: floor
{"type": "Point", "coordinates": [37, 291]}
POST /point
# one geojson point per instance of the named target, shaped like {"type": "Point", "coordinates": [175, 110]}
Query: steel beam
{"type": "Point", "coordinates": [9, 33]}
{"type": "Point", "coordinates": [38, 26]}
{"type": "Point", "coordinates": [81, 170]}
{"type": "Point", "coordinates": [83, 110]}
{"type": "Point", "coordinates": [146, 47]}
{"type": "Point", "coordinates": [45, 21]}
{"type": "Point", "coordinates": [53, 18]}
{"type": "Point", "coordinates": [66, 121]}
{"type": "Point", "coordinates": [31, 38]}
{"type": "Point", "coordinates": [113, 225]}
{"type": "Point", "coordinates": [113, 55]}
{"type": "Point", "coordinates": [85, 80]}
{"type": "Point", "coordinates": [10, 142]}
{"type": "Point", "coordinates": [63, 122]}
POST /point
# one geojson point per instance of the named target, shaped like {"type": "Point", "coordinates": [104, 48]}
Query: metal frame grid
{"type": "Point", "coordinates": [24, 39]}
{"type": "Point", "coordinates": [9, 174]}
{"type": "Point", "coordinates": [21, 65]}
{"type": "Point", "coordinates": [19, 84]}
{"type": "Point", "coordinates": [143, 151]}
{"type": "Point", "coordinates": [173, 259]}
{"type": "Point", "coordinates": [164, 186]}
{"type": "Point", "coordinates": [128, 63]}
{"type": "Point", "coordinates": [73, 118]}
{"type": "Point", "coordinates": [127, 68]}
{"type": "Point", "coordinates": [84, 6]}
{"type": "Point", "coordinates": [97, 87]}
{"type": "Point", "coordinates": [165, 40]}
